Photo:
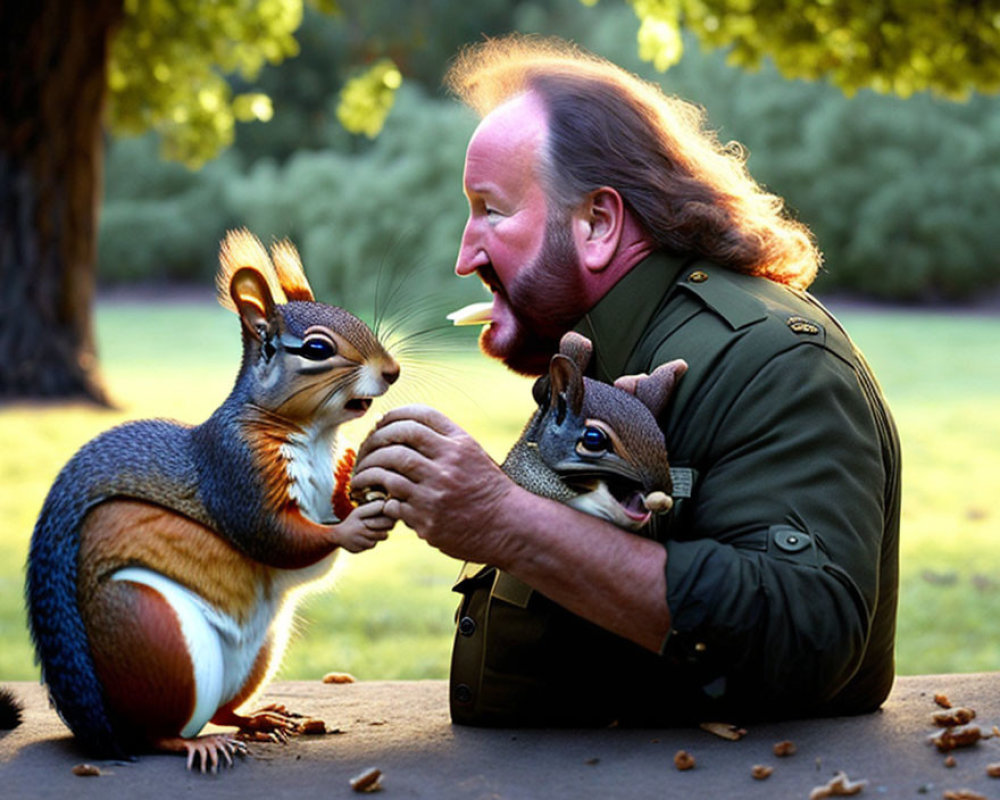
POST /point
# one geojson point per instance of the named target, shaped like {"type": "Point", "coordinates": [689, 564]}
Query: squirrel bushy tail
{"type": "Point", "coordinates": [10, 710]}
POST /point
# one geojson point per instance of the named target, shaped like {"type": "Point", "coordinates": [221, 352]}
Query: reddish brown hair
{"type": "Point", "coordinates": [607, 127]}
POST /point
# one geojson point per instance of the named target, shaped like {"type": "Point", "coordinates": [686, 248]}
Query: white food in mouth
{"type": "Point", "coordinates": [473, 314]}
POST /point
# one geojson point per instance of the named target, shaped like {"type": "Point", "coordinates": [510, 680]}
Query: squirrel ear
{"type": "Point", "coordinates": [567, 385]}
{"type": "Point", "coordinates": [655, 390]}
{"type": "Point", "coordinates": [578, 348]}
{"type": "Point", "coordinates": [252, 298]}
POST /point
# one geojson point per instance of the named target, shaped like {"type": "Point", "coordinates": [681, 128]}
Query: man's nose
{"type": "Point", "coordinates": [471, 255]}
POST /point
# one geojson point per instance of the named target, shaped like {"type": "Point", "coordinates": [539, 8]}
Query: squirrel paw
{"type": "Point", "coordinates": [204, 749]}
{"type": "Point", "coordinates": [273, 723]}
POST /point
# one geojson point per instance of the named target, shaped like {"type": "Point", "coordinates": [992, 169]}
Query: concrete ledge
{"type": "Point", "coordinates": [403, 729]}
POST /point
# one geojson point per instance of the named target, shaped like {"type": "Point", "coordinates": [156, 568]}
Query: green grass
{"type": "Point", "coordinates": [389, 613]}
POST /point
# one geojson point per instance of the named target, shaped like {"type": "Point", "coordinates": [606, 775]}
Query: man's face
{"type": "Point", "coordinates": [521, 251]}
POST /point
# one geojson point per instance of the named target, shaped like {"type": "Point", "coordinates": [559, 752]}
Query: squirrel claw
{"type": "Point", "coordinates": [206, 750]}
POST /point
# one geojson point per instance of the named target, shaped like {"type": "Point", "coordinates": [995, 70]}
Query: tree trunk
{"type": "Point", "coordinates": [53, 82]}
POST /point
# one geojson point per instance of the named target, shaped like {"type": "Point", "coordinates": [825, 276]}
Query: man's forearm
{"type": "Point", "coordinates": [608, 576]}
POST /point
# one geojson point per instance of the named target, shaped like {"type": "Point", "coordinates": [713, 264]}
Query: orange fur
{"type": "Point", "coordinates": [266, 433]}
{"type": "Point", "coordinates": [122, 533]}
{"type": "Point", "coordinates": [342, 503]}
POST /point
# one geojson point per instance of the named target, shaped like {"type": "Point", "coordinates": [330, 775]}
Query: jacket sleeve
{"type": "Point", "coordinates": [772, 569]}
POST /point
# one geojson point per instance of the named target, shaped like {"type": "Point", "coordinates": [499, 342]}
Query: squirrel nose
{"type": "Point", "coordinates": [390, 372]}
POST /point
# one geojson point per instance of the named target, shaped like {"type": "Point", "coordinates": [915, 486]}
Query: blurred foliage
{"type": "Point", "coordinates": [169, 58]}
{"type": "Point", "coordinates": [366, 99]}
{"type": "Point", "coordinates": [946, 46]}
{"type": "Point", "coordinates": [177, 66]}
{"type": "Point", "coordinates": [900, 192]}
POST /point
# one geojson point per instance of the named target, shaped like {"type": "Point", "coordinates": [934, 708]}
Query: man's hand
{"type": "Point", "coordinates": [440, 482]}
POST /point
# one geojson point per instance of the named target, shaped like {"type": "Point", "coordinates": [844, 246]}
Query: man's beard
{"type": "Point", "coordinates": [545, 299]}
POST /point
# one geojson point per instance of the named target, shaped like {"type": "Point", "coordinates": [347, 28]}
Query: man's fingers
{"type": "Point", "coordinates": [425, 415]}
{"type": "Point", "coordinates": [397, 458]}
{"type": "Point", "coordinates": [417, 426]}
{"type": "Point", "coordinates": [395, 484]}
{"type": "Point", "coordinates": [410, 433]}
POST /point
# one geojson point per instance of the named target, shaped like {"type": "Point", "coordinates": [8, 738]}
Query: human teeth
{"type": "Point", "coordinates": [473, 314]}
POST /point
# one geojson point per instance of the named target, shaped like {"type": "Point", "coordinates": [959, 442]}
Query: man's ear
{"type": "Point", "coordinates": [599, 222]}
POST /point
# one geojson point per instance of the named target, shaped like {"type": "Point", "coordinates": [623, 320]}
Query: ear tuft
{"type": "Point", "coordinates": [288, 267]}
{"type": "Point", "coordinates": [242, 250]}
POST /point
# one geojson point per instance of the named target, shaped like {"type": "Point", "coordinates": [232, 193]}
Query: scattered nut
{"type": "Point", "coordinates": [338, 677]}
{"type": "Point", "coordinates": [963, 794]}
{"type": "Point", "coordinates": [993, 770]}
{"type": "Point", "coordinates": [761, 772]}
{"type": "Point", "coordinates": [950, 738]}
{"type": "Point", "coordinates": [950, 761]}
{"type": "Point", "coordinates": [838, 786]}
{"type": "Point", "coordinates": [942, 700]}
{"type": "Point", "coordinates": [724, 730]}
{"type": "Point", "coordinates": [683, 760]}
{"type": "Point", "coordinates": [785, 748]}
{"type": "Point", "coordinates": [312, 727]}
{"type": "Point", "coordinates": [368, 781]}
{"type": "Point", "coordinates": [86, 770]}
{"type": "Point", "coordinates": [954, 716]}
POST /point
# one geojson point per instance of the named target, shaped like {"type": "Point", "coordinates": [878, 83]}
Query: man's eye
{"type": "Point", "coordinates": [317, 349]}
{"type": "Point", "coordinates": [593, 442]}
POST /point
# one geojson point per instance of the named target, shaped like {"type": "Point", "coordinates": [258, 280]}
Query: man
{"type": "Point", "coordinates": [597, 203]}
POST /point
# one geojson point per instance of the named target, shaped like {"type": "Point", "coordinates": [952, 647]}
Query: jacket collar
{"type": "Point", "coordinates": [617, 322]}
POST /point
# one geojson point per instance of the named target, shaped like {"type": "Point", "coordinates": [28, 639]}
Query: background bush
{"type": "Point", "coordinates": [900, 193]}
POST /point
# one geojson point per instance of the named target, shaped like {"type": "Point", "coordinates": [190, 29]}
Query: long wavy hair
{"type": "Point", "coordinates": [607, 127]}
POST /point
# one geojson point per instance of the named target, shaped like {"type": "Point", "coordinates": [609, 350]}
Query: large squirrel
{"type": "Point", "coordinates": [596, 447]}
{"type": "Point", "coordinates": [161, 567]}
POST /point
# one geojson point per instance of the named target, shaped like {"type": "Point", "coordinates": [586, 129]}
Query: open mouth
{"type": "Point", "coordinates": [359, 404]}
{"type": "Point", "coordinates": [626, 494]}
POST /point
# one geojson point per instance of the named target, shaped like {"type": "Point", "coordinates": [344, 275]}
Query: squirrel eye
{"type": "Point", "coordinates": [317, 349]}
{"type": "Point", "coordinates": [594, 441]}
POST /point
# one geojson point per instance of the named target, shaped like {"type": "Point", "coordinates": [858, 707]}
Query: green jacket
{"type": "Point", "coordinates": [782, 547]}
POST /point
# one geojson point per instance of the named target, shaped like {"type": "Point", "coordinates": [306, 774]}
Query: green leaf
{"type": "Point", "coordinates": [366, 99]}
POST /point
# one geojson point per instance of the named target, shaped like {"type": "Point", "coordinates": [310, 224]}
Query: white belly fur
{"type": "Point", "coordinates": [222, 650]}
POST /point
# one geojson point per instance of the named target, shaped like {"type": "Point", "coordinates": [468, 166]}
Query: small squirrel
{"type": "Point", "coordinates": [161, 570]}
{"type": "Point", "coordinates": [596, 447]}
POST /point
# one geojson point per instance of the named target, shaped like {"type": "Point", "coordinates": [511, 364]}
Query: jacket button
{"type": "Point", "coordinates": [466, 626]}
{"type": "Point", "coordinates": [698, 276]}
{"type": "Point", "coordinates": [463, 694]}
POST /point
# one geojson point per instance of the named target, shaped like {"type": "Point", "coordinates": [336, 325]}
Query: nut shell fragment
{"type": "Point", "coordinates": [339, 677]}
{"type": "Point", "coordinates": [368, 781]}
{"type": "Point", "coordinates": [683, 760]}
{"type": "Point", "coordinates": [86, 770]}
{"type": "Point", "coordinates": [785, 748]}
{"type": "Point", "coordinates": [954, 716]}
{"type": "Point", "coordinates": [724, 730]}
{"type": "Point", "coordinates": [950, 738]}
{"type": "Point", "coordinates": [761, 772]}
{"type": "Point", "coordinates": [838, 786]}
{"type": "Point", "coordinates": [963, 794]}
{"type": "Point", "coordinates": [993, 770]}
{"type": "Point", "coordinates": [942, 700]}
{"type": "Point", "coordinates": [313, 727]}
